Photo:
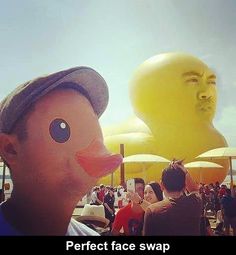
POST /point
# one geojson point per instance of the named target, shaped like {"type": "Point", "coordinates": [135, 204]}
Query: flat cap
{"type": "Point", "coordinates": [13, 107]}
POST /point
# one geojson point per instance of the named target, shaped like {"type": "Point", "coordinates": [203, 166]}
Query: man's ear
{"type": "Point", "coordinates": [8, 148]}
{"type": "Point", "coordinates": [162, 186]}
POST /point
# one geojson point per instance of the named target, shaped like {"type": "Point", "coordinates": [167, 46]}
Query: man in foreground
{"type": "Point", "coordinates": [51, 140]}
{"type": "Point", "coordinates": [179, 213]}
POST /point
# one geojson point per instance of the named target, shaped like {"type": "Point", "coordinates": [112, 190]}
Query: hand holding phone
{"type": "Point", "coordinates": [130, 184]}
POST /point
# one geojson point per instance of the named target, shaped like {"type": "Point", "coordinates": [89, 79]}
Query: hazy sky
{"type": "Point", "coordinates": [114, 37]}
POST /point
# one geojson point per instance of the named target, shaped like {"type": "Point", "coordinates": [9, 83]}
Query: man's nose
{"type": "Point", "coordinates": [204, 95]}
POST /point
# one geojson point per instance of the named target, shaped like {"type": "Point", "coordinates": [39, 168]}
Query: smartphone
{"type": "Point", "coordinates": [130, 184]}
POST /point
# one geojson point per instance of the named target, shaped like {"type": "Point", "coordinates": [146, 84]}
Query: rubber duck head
{"type": "Point", "coordinates": [50, 134]}
{"type": "Point", "coordinates": [173, 87]}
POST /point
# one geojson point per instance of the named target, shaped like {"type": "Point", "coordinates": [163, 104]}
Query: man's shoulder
{"type": "Point", "coordinates": [167, 203]}
{"type": "Point", "coordinates": [193, 196]}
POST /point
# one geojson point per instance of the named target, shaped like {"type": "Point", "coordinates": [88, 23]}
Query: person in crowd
{"type": "Point", "coordinates": [228, 207]}
{"type": "Point", "coordinates": [219, 229]}
{"type": "Point", "coordinates": [222, 191]}
{"type": "Point", "coordinates": [94, 197]}
{"type": "Point", "coordinates": [130, 218]}
{"type": "Point", "coordinates": [51, 141]}
{"type": "Point", "coordinates": [234, 191]}
{"type": "Point", "coordinates": [152, 194]}
{"type": "Point", "coordinates": [121, 196]}
{"type": "Point", "coordinates": [217, 187]}
{"type": "Point", "coordinates": [109, 201]}
{"type": "Point", "coordinates": [205, 226]}
{"type": "Point", "coordinates": [102, 192]}
{"type": "Point", "coordinates": [1, 195]}
{"type": "Point", "coordinates": [178, 213]}
{"type": "Point", "coordinates": [217, 206]}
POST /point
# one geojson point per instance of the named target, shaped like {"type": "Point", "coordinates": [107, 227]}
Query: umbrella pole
{"type": "Point", "coordinates": [143, 172]}
{"type": "Point", "coordinates": [231, 176]}
{"type": "Point", "coordinates": [122, 166]}
{"type": "Point", "coordinates": [201, 175]}
{"type": "Point", "coordinates": [112, 179]}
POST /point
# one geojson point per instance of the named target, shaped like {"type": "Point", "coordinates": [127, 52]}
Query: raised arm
{"type": "Point", "coordinates": [136, 199]}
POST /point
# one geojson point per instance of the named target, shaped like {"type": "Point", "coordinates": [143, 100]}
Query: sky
{"type": "Point", "coordinates": [114, 37]}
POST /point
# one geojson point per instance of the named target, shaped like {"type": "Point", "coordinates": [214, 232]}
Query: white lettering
{"type": "Point", "coordinates": [86, 246]}
{"type": "Point", "coordinates": [154, 246]}
{"type": "Point", "coordinates": [142, 247]}
{"type": "Point", "coordinates": [77, 246]}
{"type": "Point", "coordinates": [69, 244]}
{"type": "Point", "coordinates": [122, 247]}
{"type": "Point", "coordinates": [132, 246]}
{"type": "Point", "coordinates": [113, 245]}
{"type": "Point", "coordinates": [166, 247]}
{"type": "Point", "coordinates": [151, 246]}
{"type": "Point", "coordinates": [93, 246]}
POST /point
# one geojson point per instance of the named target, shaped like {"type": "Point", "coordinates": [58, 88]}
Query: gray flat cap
{"type": "Point", "coordinates": [19, 100]}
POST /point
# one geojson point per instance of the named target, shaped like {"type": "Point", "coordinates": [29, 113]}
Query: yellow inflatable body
{"type": "Point", "coordinates": [174, 94]}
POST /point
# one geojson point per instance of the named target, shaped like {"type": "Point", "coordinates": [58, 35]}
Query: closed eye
{"type": "Point", "coordinates": [211, 82]}
{"type": "Point", "coordinates": [193, 81]}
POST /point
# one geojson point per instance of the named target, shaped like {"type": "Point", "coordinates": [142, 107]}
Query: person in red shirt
{"type": "Point", "coordinates": [102, 192]}
{"type": "Point", "coordinates": [222, 191]}
{"type": "Point", "coordinates": [130, 217]}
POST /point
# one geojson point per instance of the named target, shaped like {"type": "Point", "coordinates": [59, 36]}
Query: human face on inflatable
{"type": "Point", "coordinates": [174, 86]}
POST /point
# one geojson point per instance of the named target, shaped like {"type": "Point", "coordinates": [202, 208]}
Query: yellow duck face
{"type": "Point", "coordinates": [173, 86]}
{"type": "Point", "coordinates": [174, 94]}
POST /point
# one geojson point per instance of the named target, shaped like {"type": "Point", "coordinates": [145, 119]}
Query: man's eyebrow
{"type": "Point", "coordinates": [192, 73]}
{"type": "Point", "coordinates": [211, 77]}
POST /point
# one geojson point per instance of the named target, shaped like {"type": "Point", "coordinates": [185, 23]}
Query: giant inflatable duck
{"type": "Point", "coordinates": [174, 94]}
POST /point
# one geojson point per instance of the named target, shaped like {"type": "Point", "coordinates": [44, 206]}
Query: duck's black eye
{"type": "Point", "coordinates": [59, 130]}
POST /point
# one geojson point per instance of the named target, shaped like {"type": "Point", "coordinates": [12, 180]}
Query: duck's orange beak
{"type": "Point", "coordinates": [96, 160]}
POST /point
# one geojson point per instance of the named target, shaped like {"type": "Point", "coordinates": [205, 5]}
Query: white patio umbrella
{"type": "Point", "coordinates": [144, 159]}
{"type": "Point", "coordinates": [222, 153]}
{"type": "Point", "coordinates": [199, 165]}
{"type": "Point", "coordinates": [227, 178]}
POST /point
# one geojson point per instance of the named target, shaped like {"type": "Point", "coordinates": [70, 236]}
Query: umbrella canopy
{"type": "Point", "coordinates": [223, 153]}
{"type": "Point", "coordinates": [227, 179]}
{"type": "Point", "coordinates": [145, 158]}
{"type": "Point", "coordinates": [202, 164]}
{"type": "Point", "coordinates": [199, 165]}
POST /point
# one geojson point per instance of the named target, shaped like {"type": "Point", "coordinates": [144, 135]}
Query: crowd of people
{"type": "Point", "coordinates": [175, 206]}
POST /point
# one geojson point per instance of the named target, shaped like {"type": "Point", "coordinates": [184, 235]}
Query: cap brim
{"type": "Point", "coordinates": [95, 220]}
